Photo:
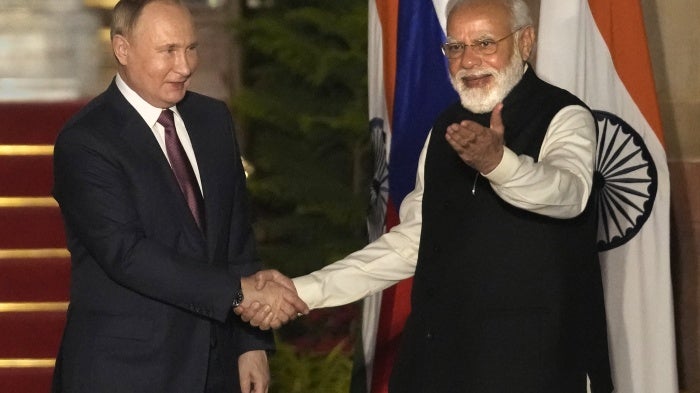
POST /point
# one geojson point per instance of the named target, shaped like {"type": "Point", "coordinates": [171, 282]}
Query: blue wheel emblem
{"type": "Point", "coordinates": [379, 191]}
{"type": "Point", "coordinates": [625, 181]}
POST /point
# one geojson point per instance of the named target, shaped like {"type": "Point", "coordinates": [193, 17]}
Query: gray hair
{"type": "Point", "coordinates": [519, 11]}
{"type": "Point", "coordinates": [127, 12]}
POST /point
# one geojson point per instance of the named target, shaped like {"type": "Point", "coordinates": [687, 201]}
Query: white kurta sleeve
{"type": "Point", "coordinates": [559, 183]}
{"type": "Point", "coordinates": [378, 266]}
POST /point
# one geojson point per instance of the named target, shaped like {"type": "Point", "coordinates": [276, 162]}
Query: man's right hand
{"type": "Point", "coordinates": [270, 300]}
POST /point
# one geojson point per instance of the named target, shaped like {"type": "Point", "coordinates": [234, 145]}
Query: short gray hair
{"type": "Point", "coordinates": [127, 12]}
{"type": "Point", "coordinates": [519, 11]}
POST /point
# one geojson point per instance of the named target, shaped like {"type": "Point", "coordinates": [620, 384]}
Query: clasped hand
{"type": "Point", "coordinates": [270, 300]}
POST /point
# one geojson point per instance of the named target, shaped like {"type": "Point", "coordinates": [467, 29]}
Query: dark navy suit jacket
{"type": "Point", "coordinates": [150, 293]}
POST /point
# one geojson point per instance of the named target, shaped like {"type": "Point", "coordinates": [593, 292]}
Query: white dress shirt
{"type": "Point", "coordinates": [557, 185]}
{"type": "Point", "coordinates": [150, 115]}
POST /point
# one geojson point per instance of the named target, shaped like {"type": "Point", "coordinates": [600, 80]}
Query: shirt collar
{"type": "Point", "coordinates": [148, 112]}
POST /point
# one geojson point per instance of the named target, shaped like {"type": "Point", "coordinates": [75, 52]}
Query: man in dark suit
{"type": "Point", "coordinates": [151, 187]}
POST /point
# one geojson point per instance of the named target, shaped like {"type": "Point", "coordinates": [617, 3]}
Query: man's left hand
{"type": "Point", "coordinates": [254, 372]}
{"type": "Point", "coordinates": [479, 147]}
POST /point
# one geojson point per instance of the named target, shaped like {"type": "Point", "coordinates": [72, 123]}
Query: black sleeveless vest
{"type": "Point", "coordinates": [503, 300]}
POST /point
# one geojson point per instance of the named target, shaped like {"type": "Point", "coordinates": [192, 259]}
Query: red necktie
{"type": "Point", "coordinates": [182, 168]}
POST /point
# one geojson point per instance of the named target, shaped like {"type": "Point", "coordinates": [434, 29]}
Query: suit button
{"type": "Point", "coordinates": [428, 335]}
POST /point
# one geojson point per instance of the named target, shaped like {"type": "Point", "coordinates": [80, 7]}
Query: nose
{"type": "Point", "coordinates": [470, 57]}
{"type": "Point", "coordinates": [186, 63]}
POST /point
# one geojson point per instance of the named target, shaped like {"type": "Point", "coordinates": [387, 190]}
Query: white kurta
{"type": "Point", "coordinates": [557, 185]}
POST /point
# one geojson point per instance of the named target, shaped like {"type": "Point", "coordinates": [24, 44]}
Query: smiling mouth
{"type": "Point", "coordinates": [178, 84]}
{"type": "Point", "coordinates": [476, 80]}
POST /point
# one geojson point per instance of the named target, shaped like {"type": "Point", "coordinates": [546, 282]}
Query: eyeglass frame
{"type": "Point", "coordinates": [475, 46]}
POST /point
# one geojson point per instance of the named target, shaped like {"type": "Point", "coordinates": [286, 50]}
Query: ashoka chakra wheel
{"type": "Point", "coordinates": [625, 181]}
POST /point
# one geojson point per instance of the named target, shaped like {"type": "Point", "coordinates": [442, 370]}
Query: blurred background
{"type": "Point", "coordinates": [295, 75]}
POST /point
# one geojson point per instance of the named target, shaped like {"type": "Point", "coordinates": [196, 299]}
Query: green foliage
{"type": "Point", "coordinates": [304, 108]}
{"type": "Point", "coordinates": [296, 372]}
{"type": "Point", "coordinates": [304, 114]}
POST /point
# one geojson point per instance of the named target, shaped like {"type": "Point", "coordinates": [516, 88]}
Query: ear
{"type": "Point", "coordinates": [120, 46]}
{"type": "Point", "coordinates": [526, 42]}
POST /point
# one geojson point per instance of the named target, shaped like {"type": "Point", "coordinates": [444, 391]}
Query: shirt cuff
{"type": "Point", "coordinates": [505, 169]}
{"type": "Point", "coordinates": [304, 286]}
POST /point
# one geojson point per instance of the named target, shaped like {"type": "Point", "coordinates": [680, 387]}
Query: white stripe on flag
{"type": "Point", "coordinates": [375, 70]}
{"type": "Point", "coordinates": [573, 54]}
{"type": "Point", "coordinates": [440, 6]}
{"type": "Point", "coordinates": [377, 109]}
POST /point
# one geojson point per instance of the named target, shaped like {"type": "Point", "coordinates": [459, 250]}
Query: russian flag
{"type": "Point", "coordinates": [597, 49]}
{"type": "Point", "coordinates": [408, 87]}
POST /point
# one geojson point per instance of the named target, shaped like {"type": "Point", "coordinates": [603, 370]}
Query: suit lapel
{"type": "Point", "coordinates": [136, 133]}
{"type": "Point", "coordinates": [205, 150]}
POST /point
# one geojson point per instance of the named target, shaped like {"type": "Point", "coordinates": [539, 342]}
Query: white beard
{"type": "Point", "coordinates": [484, 99]}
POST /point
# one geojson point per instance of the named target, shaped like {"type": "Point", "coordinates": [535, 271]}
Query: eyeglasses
{"type": "Point", "coordinates": [454, 50]}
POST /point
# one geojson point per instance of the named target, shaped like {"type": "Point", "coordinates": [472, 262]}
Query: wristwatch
{"type": "Point", "coordinates": [238, 298]}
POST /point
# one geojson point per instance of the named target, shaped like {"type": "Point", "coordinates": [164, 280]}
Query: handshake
{"type": "Point", "coordinates": [270, 300]}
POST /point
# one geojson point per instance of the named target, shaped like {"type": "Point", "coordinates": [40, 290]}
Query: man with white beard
{"type": "Point", "coordinates": [498, 233]}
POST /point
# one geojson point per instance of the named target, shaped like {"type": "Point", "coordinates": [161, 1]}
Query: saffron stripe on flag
{"type": "Point", "coordinates": [619, 24]}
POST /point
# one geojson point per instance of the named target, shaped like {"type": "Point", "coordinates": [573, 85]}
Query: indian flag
{"type": "Point", "coordinates": [597, 49]}
{"type": "Point", "coordinates": [408, 87]}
